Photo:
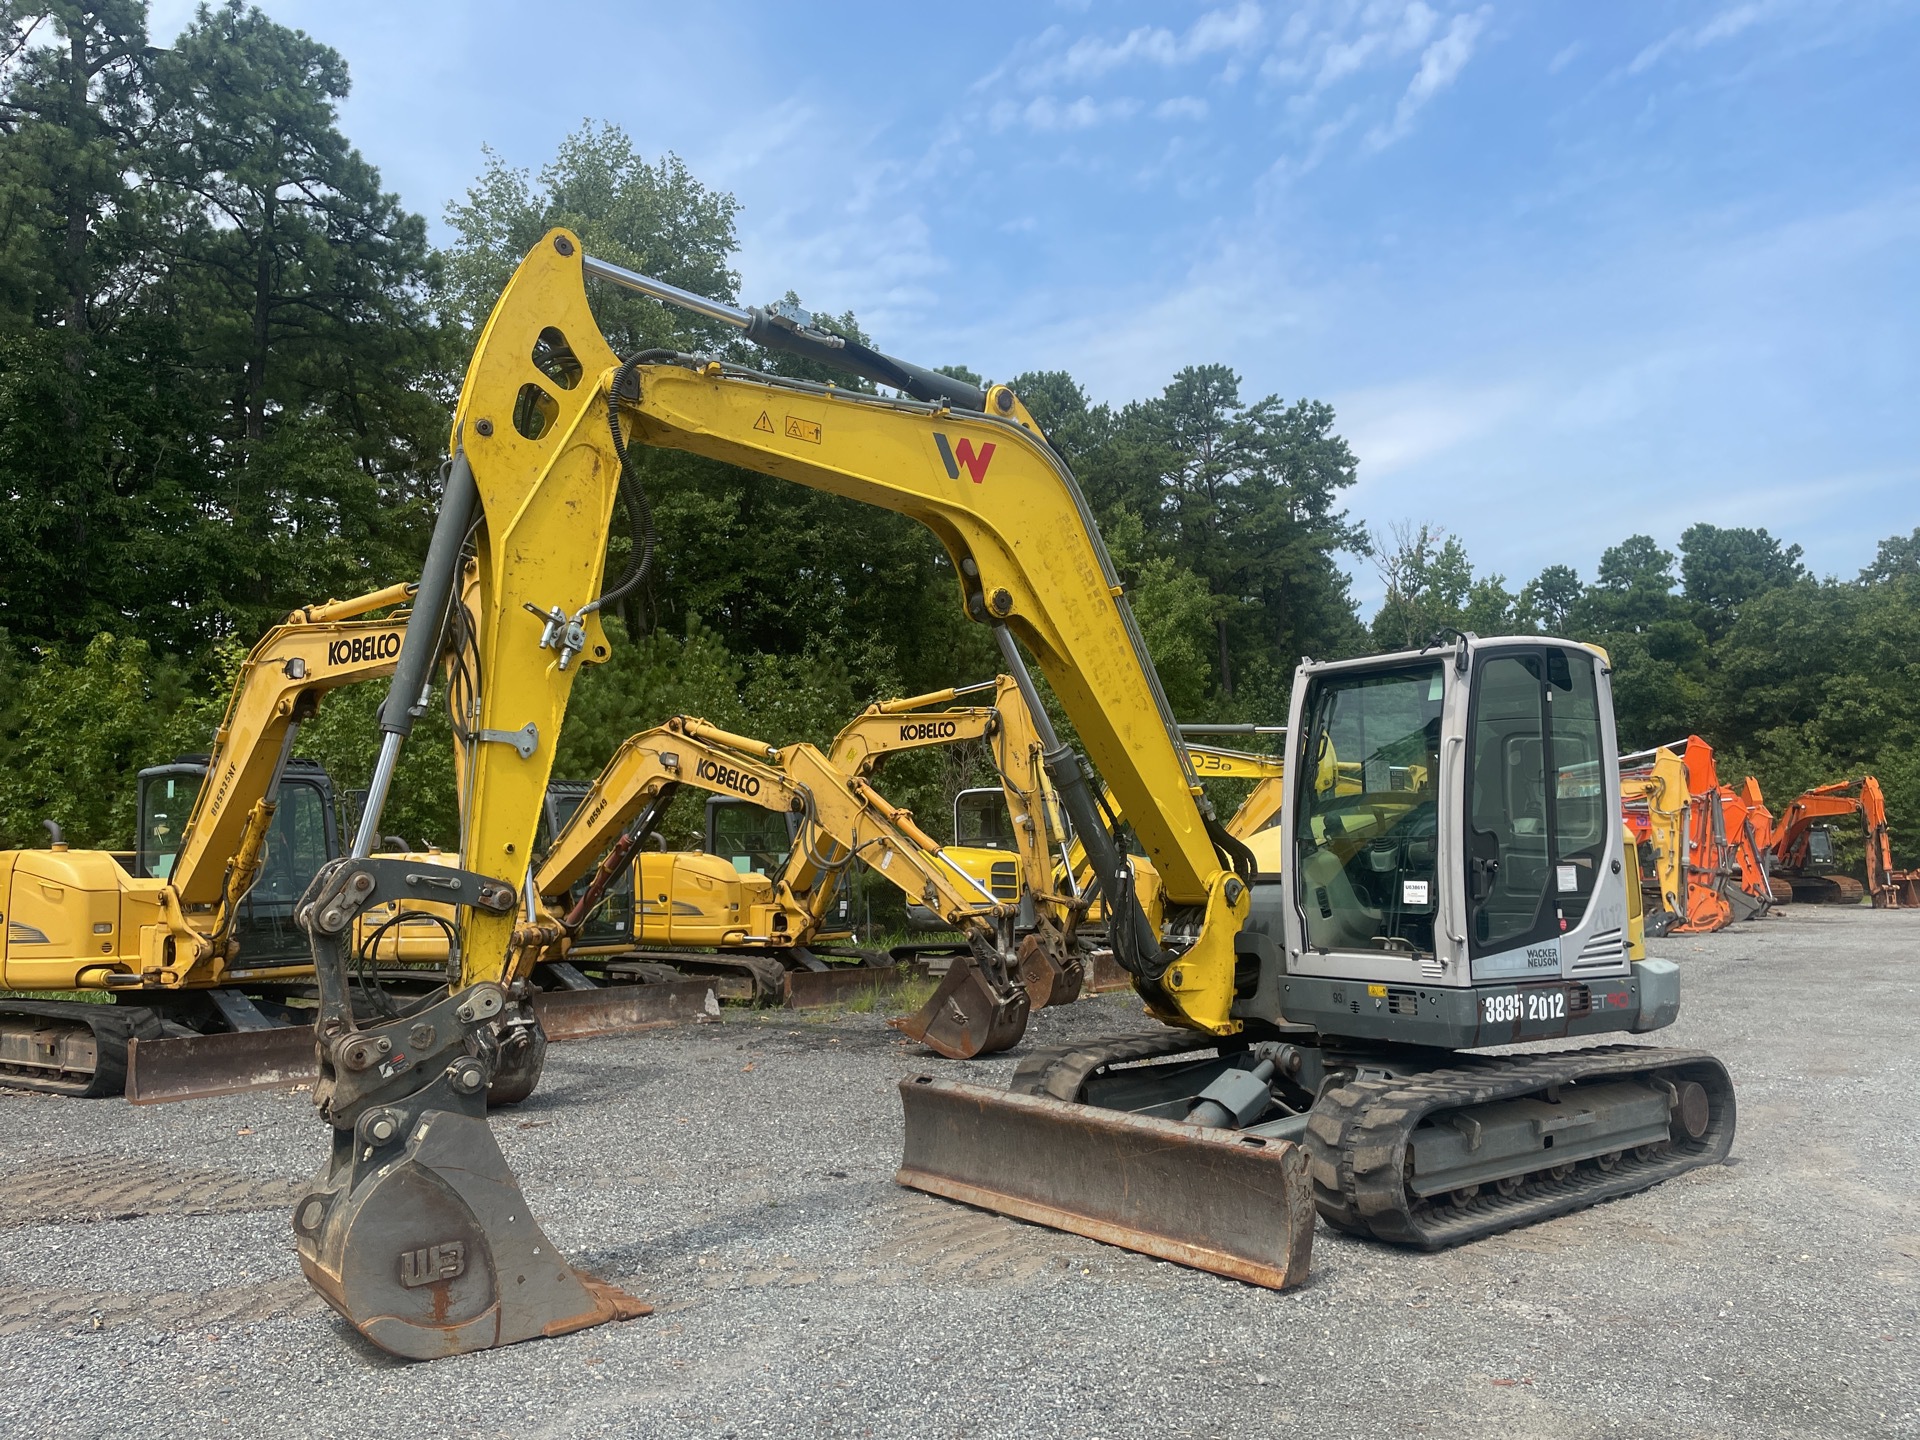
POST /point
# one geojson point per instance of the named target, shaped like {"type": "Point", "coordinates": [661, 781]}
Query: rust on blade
{"type": "Point", "coordinates": [1214, 1200]}
{"type": "Point", "coordinates": [191, 1066]}
{"type": "Point", "coordinates": [1104, 974]}
{"type": "Point", "coordinates": [620, 1009]}
{"type": "Point", "coordinates": [808, 988]}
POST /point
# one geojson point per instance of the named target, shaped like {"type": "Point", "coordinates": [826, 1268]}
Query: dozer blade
{"type": "Point", "coordinates": [967, 1016]}
{"type": "Point", "coordinates": [1235, 1205]}
{"type": "Point", "coordinates": [188, 1067]}
{"type": "Point", "coordinates": [622, 1009]}
{"type": "Point", "coordinates": [192, 1067]}
{"type": "Point", "coordinates": [433, 1252]}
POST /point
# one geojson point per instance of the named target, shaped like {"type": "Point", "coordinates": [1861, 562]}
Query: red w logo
{"type": "Point", "coordinates": [955, 456]}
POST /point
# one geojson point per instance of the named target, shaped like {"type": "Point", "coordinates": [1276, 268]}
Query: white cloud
{"type": "Point", "coordinates": [1045, 114]}
{"type": "Point", "coordinates": [1091, 56]}
{"type": "Point", "coordinates": [1181, 107]}
{"type": "Point", "coordinates": [1565, 58]}
{"type": "Point", "coordinates": [1723, 26]}
{"type": "Point", "coordinates": [1402, 427]}
{"type": "Point", "coordinates": [1440, 65]}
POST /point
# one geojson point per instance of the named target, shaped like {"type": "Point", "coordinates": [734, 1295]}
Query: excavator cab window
{"type": "Point", "coordinates": [980, 820]}
{"type": "Point", "coordinates": [1369, 811]}
{"type": "Point", "coordinates": [166, 800]}
{"type": "Point", "coordinates": [1820, 847]}
{"type": "Point", "coordinates": [612, 918]}
{"type": "Point", "coordinates": [755, 840]}
{"type": "Point", "coordinates": [297, 846]}
{"type": "Point", "coordinates": [1536, 797]}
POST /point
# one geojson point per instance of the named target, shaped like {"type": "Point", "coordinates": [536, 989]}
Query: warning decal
{"type": "Point", "coordinates": [764, 423]}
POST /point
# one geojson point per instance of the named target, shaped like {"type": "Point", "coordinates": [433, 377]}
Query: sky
{"type": "Point", "coordinates": [1566, 272]}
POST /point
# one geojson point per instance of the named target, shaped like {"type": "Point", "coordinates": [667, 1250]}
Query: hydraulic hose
{"type": "Point", "coordinates": [639, 510]}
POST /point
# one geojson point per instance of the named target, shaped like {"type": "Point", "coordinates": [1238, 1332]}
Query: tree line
{"type": "Point", "coordinates": [226, 360]}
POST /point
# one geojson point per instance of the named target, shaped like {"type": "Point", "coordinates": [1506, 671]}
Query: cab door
{"type": "Point", "coordinates": [1540, 817]}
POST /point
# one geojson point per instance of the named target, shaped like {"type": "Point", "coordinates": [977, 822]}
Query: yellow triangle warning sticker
{"type": "Point", "coordinates": [763, 423]}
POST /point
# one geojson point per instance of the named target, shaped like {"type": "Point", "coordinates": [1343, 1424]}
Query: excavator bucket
{"type": "Point", "coordinates": [1040, 974]}
{"type": "Point", "coordinates": [1045, 977]}
{"type": "Point", "coordinates": [968, 1015]}
{"type": "Point", "coordinates": [1233, 1204]}
{"type": "Point", "coordinates": [434, 1252]}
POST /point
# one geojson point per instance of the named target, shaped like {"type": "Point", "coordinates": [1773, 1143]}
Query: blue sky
{"type": "Point", "coordinates": [1567, 272]}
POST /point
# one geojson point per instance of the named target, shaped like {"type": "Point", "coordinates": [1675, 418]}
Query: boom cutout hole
{"type": "Point", "coordinates": [554, 358]}
{"type": "Point", "coordinates": [534, 411]}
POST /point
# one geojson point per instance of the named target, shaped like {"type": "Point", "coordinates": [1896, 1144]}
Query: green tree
{"type": "Point", "coordinates": [1548, 599]}
{"type": "Point", "coordinates": [649, 216]}
{"type": "Point", "coordinates": [77, 732]}
{"type": "Point", "coordinates": [313, 321]}
{"type": "Point", "coordinates": [1722, 569]}
{"type": "Point", "coordinates": [1428, 580]}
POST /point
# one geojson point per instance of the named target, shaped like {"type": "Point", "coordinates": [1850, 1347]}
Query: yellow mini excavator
{"type": "Point", "coordinates": [1005, 836]}
{"type": "Point", "coordinates": [750, 928]}
{"type": "Point", "coordinates": [1461, 889]}
{"type": "Point", "coordinates": [196, 934]}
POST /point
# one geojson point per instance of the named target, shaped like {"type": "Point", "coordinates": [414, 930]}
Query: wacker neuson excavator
{"type": "Point", "coordinates": [1468, 893]}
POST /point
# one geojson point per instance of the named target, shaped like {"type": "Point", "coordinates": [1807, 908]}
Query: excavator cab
{"type": "Point", "coordinates": [756, 842]}
{"type": "Point", "coordinates": [1820, 855]}
{"type": "Point", "coordinates": [304, 836]}
{"type": "Point", "coordinates": [984, 844]}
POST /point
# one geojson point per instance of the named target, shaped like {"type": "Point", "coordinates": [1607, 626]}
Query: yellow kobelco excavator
{"type": "Point", "coordinates": [1311, 1021]}
{"type": "Point", "coordinates": [841, 818]}
{"type": "Point", "coordinates": [1005, 836]}
{"type": "Point", "coordinates": [198, 934]}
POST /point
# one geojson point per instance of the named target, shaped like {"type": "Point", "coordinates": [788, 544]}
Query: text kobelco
{"type": "Point", "coordinates": [930, 730]}
{"type": "Point", "coordinates": [735, 780]}
{"type": "Point", "coordinates": [362, 648]}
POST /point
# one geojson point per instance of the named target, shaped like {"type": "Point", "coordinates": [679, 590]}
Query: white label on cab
{"type": "Point", "coordinates": [1413, 892]}
{"type": "Point", "coordinates": [1569, 879]}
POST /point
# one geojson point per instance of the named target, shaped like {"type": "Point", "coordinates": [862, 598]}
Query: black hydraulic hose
{"type": "Point", "coordinates": [639, 508]}
{"type": "Point", "coordinates": [1235, 852]}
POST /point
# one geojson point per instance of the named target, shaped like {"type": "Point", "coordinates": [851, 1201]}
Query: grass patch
{"type": "Point", "coordinates": [917, 990]}
{"type": "Point", "coordinates": [86, 997]}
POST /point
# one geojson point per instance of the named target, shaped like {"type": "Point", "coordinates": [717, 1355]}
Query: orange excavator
{"type": "Point", "coordinates": [1801, 848]}
{"type": "Point", "coordinates": [1670, 799]}
{"type": "Point", "coordinates": [1747, 825]}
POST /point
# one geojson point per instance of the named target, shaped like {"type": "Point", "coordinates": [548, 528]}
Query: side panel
{"type": "Point", "coordinates": [63, 916]}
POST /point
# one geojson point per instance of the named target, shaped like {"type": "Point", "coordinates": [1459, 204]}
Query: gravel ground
{"type": "Point", "coordinates": [738, 1175]}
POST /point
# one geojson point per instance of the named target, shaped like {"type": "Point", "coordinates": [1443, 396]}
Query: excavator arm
{"type": "Point", "coordinates": [1051, 968]}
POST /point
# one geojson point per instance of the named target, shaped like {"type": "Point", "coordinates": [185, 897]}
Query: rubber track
{"type": "Point", "coordinates": [112, 1027]}
{"type": "Point", "coordinates": [1358, 1133]}
{"type": "Point", "coordinates": [1060, 1072]}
